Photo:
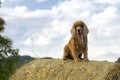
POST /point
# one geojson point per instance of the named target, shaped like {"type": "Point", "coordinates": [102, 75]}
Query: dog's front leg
{"type": "Point", "coordinates": [75, 54]}
{"type": "Point", "coordinates": [73, 50]}
{"type": "Point", "coordinates": [86, 54]}
{"type": "Point", "coordinates": [86, 49]}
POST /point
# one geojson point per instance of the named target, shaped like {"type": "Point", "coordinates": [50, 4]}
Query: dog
{"type": "Point", "coordinates": [78, 43]}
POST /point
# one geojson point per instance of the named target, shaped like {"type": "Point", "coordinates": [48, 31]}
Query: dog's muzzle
{"type": "Point", "coordinates": [79, 32]}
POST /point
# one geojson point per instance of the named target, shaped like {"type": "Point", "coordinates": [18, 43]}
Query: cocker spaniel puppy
{"type": "Point", "coordinates": [77, 44]}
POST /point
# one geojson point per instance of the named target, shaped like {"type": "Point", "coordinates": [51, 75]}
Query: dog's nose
{"type": "Point", "coordinates": [79, 32]}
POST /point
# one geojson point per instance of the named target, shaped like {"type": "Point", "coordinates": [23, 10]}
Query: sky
{"type": "Point", "coordinates": [41, 28]}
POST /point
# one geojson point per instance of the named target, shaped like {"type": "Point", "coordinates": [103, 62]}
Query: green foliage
{"type": "Point", "coordinates": [8, 55]}
{"type": "Point", "coordinates": [2, 22]}
{"type": "Point", "coordinates": [118, 61]}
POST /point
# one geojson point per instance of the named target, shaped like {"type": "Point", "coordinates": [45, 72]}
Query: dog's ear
{"type": "Point", "coordinates": [73, 31]}
{"type": "Point", "coordinates": [85, 30]}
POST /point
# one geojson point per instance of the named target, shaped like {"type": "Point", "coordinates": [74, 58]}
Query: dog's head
{"type": "Point", "coordinates": [79, 28]}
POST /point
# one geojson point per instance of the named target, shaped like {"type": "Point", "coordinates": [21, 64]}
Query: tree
{"type": "Point", "coordinates": [8, 55]}
{"type": "Point", "coordinates": [118, 61]}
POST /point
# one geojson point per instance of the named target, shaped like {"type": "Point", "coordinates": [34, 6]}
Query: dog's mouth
{"type": "Point", "coordinates": [79, 33]}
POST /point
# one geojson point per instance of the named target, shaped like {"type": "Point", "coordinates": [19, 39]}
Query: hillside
{"type": "Point", "coordinates": [24, 59]}
{"type": "Point", "coordinates": [54, 69]}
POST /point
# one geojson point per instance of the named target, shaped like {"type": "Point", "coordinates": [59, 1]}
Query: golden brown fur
{"type": "Point", "coordinates": [77, 44]}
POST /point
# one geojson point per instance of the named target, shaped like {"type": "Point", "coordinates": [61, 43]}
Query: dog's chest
{"type": "Point", "coordinates": [79, 46]}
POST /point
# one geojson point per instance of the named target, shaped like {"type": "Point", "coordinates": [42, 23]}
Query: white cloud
{"type": "Point", "coordinates": [60, 27]}
{"type": "Point", "coordinates": [66, 40]}
{"type": "Point", "coordinates": [2, 1]}
{"type": "Point", "coordinates": [108, 1]}
{"type": "Point", "coordinates": [27, 42]}
{"type": "Point", "coordinates": [109, 13]}
{"type": "Point", "coordinates": [42, 40]}
{"type": "Point", "coordinates": [69, 9]}
{"type": "Point", "coordinates": [29, 52]}
{"type": "Point", "coordinates": [23, 12]}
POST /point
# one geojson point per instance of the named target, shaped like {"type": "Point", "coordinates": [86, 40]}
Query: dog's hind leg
{"type": "Point", "coordinates": [67, 54]}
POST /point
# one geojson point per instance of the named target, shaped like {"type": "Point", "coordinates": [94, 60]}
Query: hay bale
{"type": "Point", "coordinates": [53, 69]}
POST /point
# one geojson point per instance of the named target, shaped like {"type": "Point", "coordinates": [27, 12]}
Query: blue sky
{"type": "Point", "coordinates": [31, 4]}
{"type": "Point", "coordinates": [41, 28]}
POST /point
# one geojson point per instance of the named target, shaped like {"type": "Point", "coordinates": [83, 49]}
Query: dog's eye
{"type": "Point", "coordinates": [82, 25]}
{"type": "Point", "coordinates": [76, 25]}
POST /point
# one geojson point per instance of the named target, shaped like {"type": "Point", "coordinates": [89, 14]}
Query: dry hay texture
{"type": "Point", "coordinates": [54, 69]}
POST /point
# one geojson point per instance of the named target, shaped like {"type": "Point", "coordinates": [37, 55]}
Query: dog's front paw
{"type": "Point", "coordinates": [78, 60]}
{"type": "Point", "coordinates": [86, 60]}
